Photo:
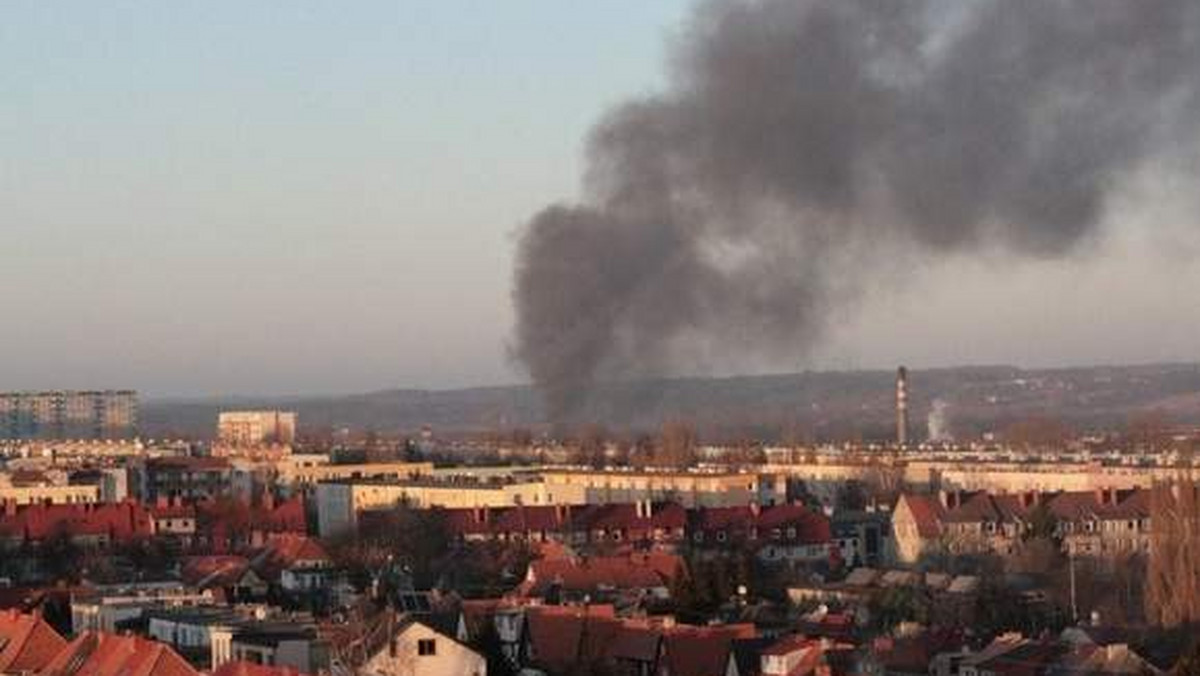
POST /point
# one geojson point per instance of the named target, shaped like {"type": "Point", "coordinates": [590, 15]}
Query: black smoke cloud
{"type": "Point", "coordinates": [799, 143]}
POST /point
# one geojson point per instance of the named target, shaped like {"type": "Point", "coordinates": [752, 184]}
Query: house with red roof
{"type": "Point", "coordinates": [572, 524]}
{"type": "Point", "coordinates": [788, 532]}
{"type": "Point", "coordinates": [795, 655]}
{"type": "Point", "coordinates": [27, 643]}
{"type": "Point", "coordinates": [87, 525]}
{"type": "Point", "coordinates": [102, 654]}
{"type": "Point", "coordinates": [700, 651]}
{"type": "Point", "coordinates": [298, 563]}
{"type": "Point", "coordinates": [229, 524]}
{"type": "Point", "coordinates": [555, 639]}
{"type": "Point", "coordinates": [390, 644]}
{"type": "Point", "coordinates": [780, 532]}
{"type": "Point", "coordinates": [649, 575]}
{"type": "Point", "coordinates": [230, 575]}
{"type": "Point", "coordinates": [173, 519]}
{"type": "Point", "coordinates": [1100, 523]}
{"type": "Point", "coordinates": [917, 526]}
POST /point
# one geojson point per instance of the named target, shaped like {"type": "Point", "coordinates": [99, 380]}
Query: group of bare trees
{"type": "Point", "coordinates": [675, 445]}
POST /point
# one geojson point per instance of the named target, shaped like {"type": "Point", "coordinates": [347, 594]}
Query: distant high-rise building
{"type": "Point", "coordinates": [902, 406]}
{"type": "Point", "coordinates": [252, 428]}
{"type": "Point", "coordinates": [64, 414]}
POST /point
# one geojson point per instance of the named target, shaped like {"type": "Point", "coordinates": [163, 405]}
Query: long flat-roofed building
{"type": "Point", "coordinates": [688, 488]}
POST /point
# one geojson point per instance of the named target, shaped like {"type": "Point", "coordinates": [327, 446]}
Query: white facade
{"type": "Point", "coordinates": [418, 650]}
{"type": "Point", "coordinates": [252, 428]}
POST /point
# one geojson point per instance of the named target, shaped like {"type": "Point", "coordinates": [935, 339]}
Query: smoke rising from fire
{"type": "Point", "coordinates": [801, 145]}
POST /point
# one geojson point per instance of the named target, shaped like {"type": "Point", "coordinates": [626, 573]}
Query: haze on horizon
{"type": "Point", "coordinates": [239, 198]}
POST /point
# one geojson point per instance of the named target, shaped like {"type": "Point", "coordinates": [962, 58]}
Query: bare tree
{"type": "Point", "coordinates": [676, 445]}
{"type": "Point", "coordinates": [1173, 575]}
{"type": "Point", "coordinates": [1038, 433]}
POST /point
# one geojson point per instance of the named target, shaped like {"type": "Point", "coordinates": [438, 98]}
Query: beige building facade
{"type": "Point", "coordinates": [340, 502]}
{"type": "Point", "coordinates": [85, 494]}
{"type": "Point", "coordinates": [253, 428]}
{"type": "Point", "coordinates": [690, 489]}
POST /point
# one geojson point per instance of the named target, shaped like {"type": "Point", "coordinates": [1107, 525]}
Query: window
{"type": "Point", "coordinates": [427, 647]}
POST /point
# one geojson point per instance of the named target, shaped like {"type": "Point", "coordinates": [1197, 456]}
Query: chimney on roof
{"type": "Point", "coordinates": [643, 509]}
{"type": "Point", "coordinates": [482, 515]}
{"type": "Point", "coordinates": [902, 406]}
{"type": "Point", "coordinates": [950, 499]}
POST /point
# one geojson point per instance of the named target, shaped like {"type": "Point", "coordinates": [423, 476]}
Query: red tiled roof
{"type": "Point", "coordinates": [639, 643]}
{"type": "Point", "coordinates": [669, 515]}
{"type": "Point", "coordinates": [1063, 505]}
{"type": "Point", "coordinates": [289, 516]}
{"type": "Point", "coordinates": [525, 519]}
{"type": "Point", "coordinates": [561, 636]}
{"type": "Point", "coordinates": [810, 527]}
{"type": "Point", "coordinates": [702, 651]}
{"type": "Point", "coordinates": [102, 654]}
{"type": "Point", "coordinates": [284, 550]}
{"type": "Point", "coordinates": [214, 571]}
{"type": "Point", "coordinates": [928, 513]}
{"type": "Point", "coordinates": [27, 643]}
{"type": "Point", "coordinates": [120, 521]}
{"type": "Point", "coordinates": [620, 572]}
{"type": "Point", "coordinates": [722, 518]}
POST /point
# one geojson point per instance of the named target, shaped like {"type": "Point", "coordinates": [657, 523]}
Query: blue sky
{"type": "Point", "coordinates": [283, 197]}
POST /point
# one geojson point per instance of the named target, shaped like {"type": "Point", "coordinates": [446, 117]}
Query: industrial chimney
{"type": "Point", "coordinates": [902, 406]}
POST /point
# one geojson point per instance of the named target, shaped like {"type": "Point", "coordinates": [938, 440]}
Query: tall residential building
{"type": "Point", "coordinates": [251, 428]}
{"type": "Point", "coordinates": [63, 414]}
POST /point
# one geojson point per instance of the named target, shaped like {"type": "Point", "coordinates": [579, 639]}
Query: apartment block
{"type": "Point", "coordinates": [63, 414]}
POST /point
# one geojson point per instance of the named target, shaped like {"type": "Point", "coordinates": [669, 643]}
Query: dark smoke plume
{"type": "Point", "coordinates": [799, 143]}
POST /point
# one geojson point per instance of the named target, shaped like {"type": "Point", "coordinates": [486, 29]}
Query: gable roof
{"type": "Point", "coordinates": [561, 636]}
{"type": "Point", "coordinates": [702, 651]}
{"type": "Point", "coordinates": [120, 521]}
{"type": "Point", "coordinates": [284, 550]}
{"type": "Point", "coordinates": [102, 654]}
{"type": "Point", "coordinates": [927, 512]}
{"type": "Point", "coordinates": [208, 572]}
{"type": "Point", "coordinates": [27, 643]}
{"type": "Point", "coordinates": [636, 571]}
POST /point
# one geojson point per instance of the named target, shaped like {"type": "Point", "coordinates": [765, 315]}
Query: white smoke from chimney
{"type": "Point", "coordinates": [938, 421]}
